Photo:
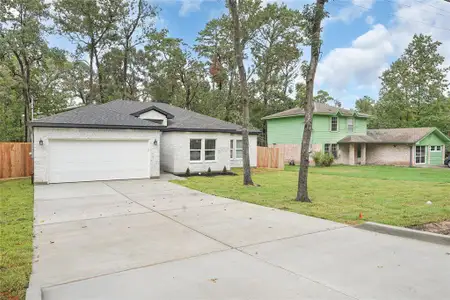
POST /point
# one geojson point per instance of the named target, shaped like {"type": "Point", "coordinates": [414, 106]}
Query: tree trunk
{"type": "Point", "coordinates": [229, 100]}
{"type": "Point", "coordinates": [91, 73]}
{"type": "Point", "coordinates": [302, 192]}
{"type": "Point", "coordinates": [100, 77]}
{"type": "Point", "coordinates": [125, 70]}
{"type": "Point", "coordinates": [238, 50]}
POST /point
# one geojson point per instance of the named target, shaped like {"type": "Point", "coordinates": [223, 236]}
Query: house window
{"type": "Point", "coordinates": [435, 149]}
{"type": "Point", "coordinates": [210, 149]}
{"type": "Point", "coordinates": [196, 149]}
{"type": "Point", "coordinates": [420, 154]}
{"type": "Point", "coordinates": [334, 123]}
{"type": "Point", "coordinates": [350, 124]}
{"type": "Point", "coordinates": [231, 148]}
{"type": "Point", "coordinates": [332, 149]}
{"type": "Point", "coordinates": [238, 148]}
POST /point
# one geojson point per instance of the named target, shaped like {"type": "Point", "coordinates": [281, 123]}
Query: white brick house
{"type": "Point", "coordinates": [128, 139]}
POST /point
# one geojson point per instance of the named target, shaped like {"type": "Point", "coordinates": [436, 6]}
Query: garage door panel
{"type": "Point", "coordinates": [87, 160]}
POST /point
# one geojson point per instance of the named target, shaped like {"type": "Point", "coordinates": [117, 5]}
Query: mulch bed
{"type": "Point", "coordinates": [441, 227]}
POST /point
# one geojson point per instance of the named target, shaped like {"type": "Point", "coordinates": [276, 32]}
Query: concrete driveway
{"type": "Point", "coordinates": [151, 239]}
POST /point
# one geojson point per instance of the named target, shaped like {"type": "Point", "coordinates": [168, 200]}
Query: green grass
{"type": "Point", "coordinates": [390, 195]}
{"type": "Point", "coordinates": [16, 242]}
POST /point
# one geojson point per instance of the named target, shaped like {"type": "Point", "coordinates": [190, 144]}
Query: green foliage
{"type": "Point", "coordinates": [209, 173]}
{"type": "Point", "coordinates": [323, 159]}
{"type": "Point", "coordinates": [224, 170]}
{"type": "Point", "coordinates": [188, 172]}
{"type": "Point", "coordinates": [365, 105]}
{"type": "Point", "coordinates": [414, 89]}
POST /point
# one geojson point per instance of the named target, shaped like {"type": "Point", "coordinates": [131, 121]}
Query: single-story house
{"type": "Point", "coordinates": [343, 133]}
{"type": "Point", "coordinates": [129, 139]}
{"type": "Point", "coordinates": [397, 146]}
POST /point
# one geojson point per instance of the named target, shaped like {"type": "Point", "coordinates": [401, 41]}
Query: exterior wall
{"type": "Point", "coordinates": [289, 130]}
{"type": "Point", "coordinates": [154, 115]}
{"type": "Point", "coordinates": [388, 154]}
{"type": "Point", "coordinates": [343, 156]}
{"type": "Point", "coordinates": [175, 154]}
{"type": "Point", "coordinates": [432, 140]}
{"type": "Point", "coordinates": [285, 130]}
{"type": "Point", "coordinates": [253, 144]}
{"type": "Point", "coordinates": [40, 153]}
{"type": "Point", "coordinates": [433, 158]}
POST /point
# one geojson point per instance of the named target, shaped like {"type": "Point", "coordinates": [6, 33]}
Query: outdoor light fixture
{"type": "Point", "coordinates": [155, 142]}
{"type": "Point", "coordinates": [41, 142]}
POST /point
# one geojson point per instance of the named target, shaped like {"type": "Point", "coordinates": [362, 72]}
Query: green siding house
{"type": "Point", "coordinates": [344, 133]}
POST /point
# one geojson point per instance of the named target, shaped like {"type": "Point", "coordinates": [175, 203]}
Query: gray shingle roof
{"type": "Point", "coordinates": [319, 108]}
{"type": "Point", "coordinates": [97, 116]}
{"type": "Point", "coordinates": [118, 113]}
{"type": "Point", "coordinates": [389, 136]}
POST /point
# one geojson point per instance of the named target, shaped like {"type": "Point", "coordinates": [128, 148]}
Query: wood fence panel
{"type": "Point", "coordinates": [290, 152]}
{"type": "Point", "coordinates": [15, 160]}
{"type": "Point", "coordinates": [270, 158]}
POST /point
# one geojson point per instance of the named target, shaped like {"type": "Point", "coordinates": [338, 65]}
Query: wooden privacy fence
{"type": "Point", "coordinates": [270, 158]}
{"type": "Point", "coordinates": [290, 152]}
{"type": "Point", "coordinates": [15, 160]}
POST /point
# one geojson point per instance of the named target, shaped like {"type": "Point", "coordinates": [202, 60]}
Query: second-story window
{"type": "Point", "coordinates": [350, 124]}
{"type": "Point", "coordinates": [334, 123]}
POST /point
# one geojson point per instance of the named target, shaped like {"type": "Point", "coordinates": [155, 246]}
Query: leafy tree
{"type": "Point", "coordinates": [23, 46]}
{"type": "Point", "coordinates": [414, 87]}
{"type": "Point", "coordinates": [134, 24]}
{"type": "Point", "coordinates": [365, 105]}
{"type": "Point", "coordinates": [91, 24]}
{"type": "Point", "coordinates": [314, 14]}
{"type": "Point", "coordinates": [323, 97]}
{"type": "Point", "coordinates": [11, 107]}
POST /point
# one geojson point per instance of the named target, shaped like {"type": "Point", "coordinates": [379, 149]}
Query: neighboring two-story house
{"type": "Point", "coordinates": [344, 133]}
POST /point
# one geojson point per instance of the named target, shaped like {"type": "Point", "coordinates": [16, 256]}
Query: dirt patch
{"type": "Point", "coordinates": [441, 227]}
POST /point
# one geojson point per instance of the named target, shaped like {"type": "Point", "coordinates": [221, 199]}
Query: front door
{"type": "Point", "coordinates": [358, 153]}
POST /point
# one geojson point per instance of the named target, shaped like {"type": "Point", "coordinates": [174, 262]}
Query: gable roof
{"type": "Point", "coordinates": [319, 109]}
{"type": "Point", "coordinates": [392, 136]}
{"type": "Point", "coordinates": [94, 116]}
{"type": "Point", "coordinates": [123, 114]}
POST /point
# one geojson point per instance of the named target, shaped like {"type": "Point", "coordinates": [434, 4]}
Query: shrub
{"type": "Point", "coordinates": [323, 159]}
{"type": "Point", "coordinates": [327, 159]}
{"type": "Point", "coordinates": [188, 172]}
{"type": "Point", "coordinates": [209, 172]}
{"type": "Point", "coordinates": [224, 171]}
{"type": "Point", "coordinates": [317, 157]}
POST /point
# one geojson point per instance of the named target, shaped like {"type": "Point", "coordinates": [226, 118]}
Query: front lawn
{"type": "Point", "coordinates": [390, 195]}
{"type": "Point", "coordinates": [16, 237]}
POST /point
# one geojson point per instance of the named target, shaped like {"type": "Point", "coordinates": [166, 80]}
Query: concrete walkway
{"type": "Point", "coordinates": [151, 239]}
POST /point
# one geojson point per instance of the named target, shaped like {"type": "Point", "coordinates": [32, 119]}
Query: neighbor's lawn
{"type": "Point", "coordinates": [16, 237]}
{"type": "Point", "coordinates": [390, 195]}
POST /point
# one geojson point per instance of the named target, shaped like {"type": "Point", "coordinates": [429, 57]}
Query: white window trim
{"type": "Point", "coordinates": [190, 150]}
{"type": "Point", "coordinates": [435, 148]}
{"type": "Point", "coordinates": [236, 149]}
{"type": "Point", "coordinates": [232, 147]}
{"type": "Point", "coordinates": [215, 150]}
{"type": "Point", "coordinates": [331, 124]}
{"type": "Point", "coordinates": [415, 156]}
{"type": "Point", "coordinates": [353, 124]}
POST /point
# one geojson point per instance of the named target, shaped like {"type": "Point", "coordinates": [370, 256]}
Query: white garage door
{"type": "Point", "coordinates": [88, 160]}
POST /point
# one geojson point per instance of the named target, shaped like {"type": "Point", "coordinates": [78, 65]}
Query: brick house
{"type": "Point", "coordinates": [344, 133]}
